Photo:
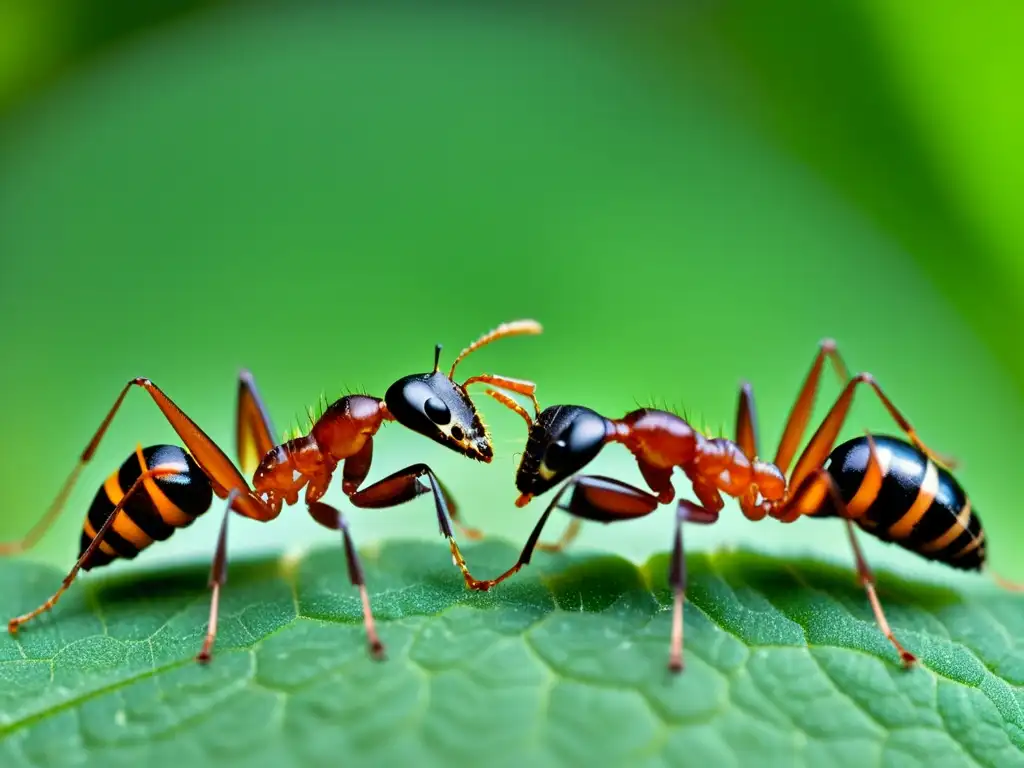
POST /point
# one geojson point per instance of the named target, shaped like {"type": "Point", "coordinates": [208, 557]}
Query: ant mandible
{"type": "Point", "coordinates": [892, 489]}
{"type": "Point", "coordinates": [162, 488]}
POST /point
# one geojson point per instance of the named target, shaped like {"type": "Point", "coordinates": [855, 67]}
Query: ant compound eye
{"type": "Point", "coordinates": [555, 455]}
{"type": "Point", "coordinates": [457, 433]}
{"type": "Point", "coordinates": [437, 411]}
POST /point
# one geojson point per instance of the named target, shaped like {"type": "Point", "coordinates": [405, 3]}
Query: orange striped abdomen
{"type": "Point", "coordinates": [918, 505]}
{"type": "Point", "coordinates": [153, 512]}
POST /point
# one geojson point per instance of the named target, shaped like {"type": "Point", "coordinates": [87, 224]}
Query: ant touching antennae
{"type": "Point", "coordinates": [897, 490]}
{"type": "Point", "coordinates": [162, 488]}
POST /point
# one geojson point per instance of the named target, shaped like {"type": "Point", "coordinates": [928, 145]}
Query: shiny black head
{"type": "Point", "coordinates": [435, 406]}
{"type": "Point", "coordinates": [563, 440]}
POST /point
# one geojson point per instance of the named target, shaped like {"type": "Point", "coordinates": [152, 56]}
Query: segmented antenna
{"type": "Point", "coordinates": [514, 328]}
{"type": "Point", "coordinates": [437, 357]}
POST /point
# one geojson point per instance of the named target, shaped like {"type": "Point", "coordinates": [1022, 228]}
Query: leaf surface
{"type": "Point", "coordinates": [784, 666]}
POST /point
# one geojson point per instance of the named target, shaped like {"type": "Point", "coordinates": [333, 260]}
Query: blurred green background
{"type": "Point", "coordinates": [684, 197]}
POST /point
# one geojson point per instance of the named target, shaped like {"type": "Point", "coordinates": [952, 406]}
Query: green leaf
{"type": "Point", "coordinates": [785, 666]}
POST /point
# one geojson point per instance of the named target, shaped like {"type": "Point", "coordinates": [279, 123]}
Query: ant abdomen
{"type": "Point", "coordinates": [163, 503]}
{"type": "Point", "coordinates": [916, 503]}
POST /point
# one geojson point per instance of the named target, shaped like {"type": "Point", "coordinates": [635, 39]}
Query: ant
{"type": "Point", "coordinates": [895, 490]}
{"type": "Point", "coordinates": [164, 487]}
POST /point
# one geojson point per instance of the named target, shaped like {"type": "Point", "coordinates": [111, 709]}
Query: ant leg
{"type": "Point", "coordinates": [457, 518]}
{"type": "Point", "coordinates": [867, 578]}
{"type": "Point", "coordinates": [707, 494]}
{"type": "Point", "coordinates": [254, 432]}
{"type": "Point", "coordinates": [593, 498]}
{"type": "Point", "coordinates": [824, 438]}
{"type": "Point", "coordinates": [687, 511]}
{"type": "Point", "coordinates": [357, 467]}
{"type": "Point", "coordinates": [520, 386]}
{"type": "Point", "coordinates": [746, 422]}
{"type": "Point", "coordinates": [800, 415]}
{"type": "Point", "coordinates": [43, 524]}
{"type": "Point", "coordinates": [768, 479]}
{"type": "Point", "coordinates": [573, 529]}
{"type": "Point", "coordinates": [1010, 586]}
{"type": "Point", "coordinates": [568, 537]}
{"type": "Point", "coordinates": [222, 474]}
{"type": "Point", "coordinates": [15, 623]}
{"type": "Point", "coordinates": [329, 517]}
{"type": "Point", "coordinates": [659, 480]}
{"type": "Point", "coordinates": [207, 454]}
{"type": "Point", "coordinates": [218, 577]}
{"type": "Point", "coordinates": [809, 497]}
{"type": "Point", "coordinates": [405, 485]}
{"type": "Point", "coordinates": [531, 543]}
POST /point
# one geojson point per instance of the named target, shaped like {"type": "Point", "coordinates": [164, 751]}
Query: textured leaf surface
{"type": "Point", "coordinates": [785, 667]}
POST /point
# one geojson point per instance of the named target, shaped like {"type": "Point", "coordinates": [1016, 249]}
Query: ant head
{"type": "Point", "coordinates": [434, 405]}
{"type": "Point", "coordinates": [563, 440]}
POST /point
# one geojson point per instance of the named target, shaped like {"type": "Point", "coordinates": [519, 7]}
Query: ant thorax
{"type": "Point", "coordinates": [662, 439]}
{"type": "Point", "coordinates": [347, 424]}
{"type": "Point", "coordinates": [287, 468]}
{"type": "Point", "coordinates": [341, 432]}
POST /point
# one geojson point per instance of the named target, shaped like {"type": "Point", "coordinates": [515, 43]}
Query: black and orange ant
{"type": "Point", "coordinates": [893, 489]}
{"type": "Point", "coordinates": [164, 487]}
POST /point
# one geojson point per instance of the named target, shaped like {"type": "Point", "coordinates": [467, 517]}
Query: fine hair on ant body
{"type": "Point", "coordinates": [893, 489]}
{"type": "Point", "coordinates": [164, 487]}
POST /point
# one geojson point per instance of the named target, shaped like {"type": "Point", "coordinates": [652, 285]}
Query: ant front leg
{"type": "Point", "coordinates": [458, 519]}
{"type": "Point", "coordinates": [593, 497]}
{"type": "Point", "coordinates": [405, 485]}
{"type": "Point", "coordinates": [357, 468]}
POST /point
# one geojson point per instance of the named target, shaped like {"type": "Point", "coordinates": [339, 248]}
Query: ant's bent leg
{"type": "Point", "coordinates": [601, 499]}
{"type": "Point", "coordinates": [407, 484]}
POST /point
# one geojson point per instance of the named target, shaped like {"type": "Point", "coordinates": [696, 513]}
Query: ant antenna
{"type": "Point", "coordinates": [511, 404]}
{"type": "Point", "coordinates": [514, 328]}
{"type": "Point", "coordinates": [437, 357]}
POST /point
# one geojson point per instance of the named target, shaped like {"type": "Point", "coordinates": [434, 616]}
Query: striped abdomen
{"type": "Point", "coordinates": [918, 505]}
{"type": "Point", "coordinates": [152, 513]}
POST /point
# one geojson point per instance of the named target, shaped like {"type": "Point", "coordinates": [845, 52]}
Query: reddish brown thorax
{"type": "Point", "coordinates": [661, 439]}
{"type": "Point", "coordinates": [347, 424]}
{"type": "Point", "coordinates": [340, 432]}
{"type": "Point", "coordinates": [286, 469]}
